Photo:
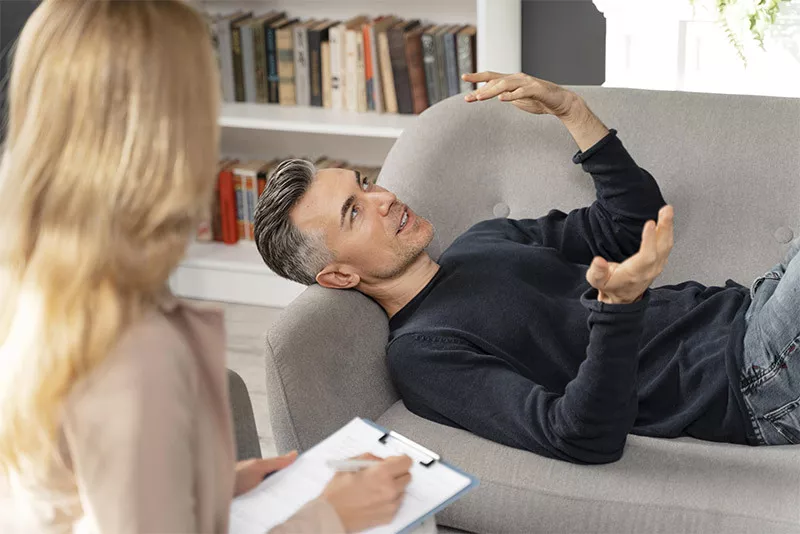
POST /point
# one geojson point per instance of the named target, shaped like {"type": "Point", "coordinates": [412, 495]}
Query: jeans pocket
{"type": "Point", "coordinates": [786, 421]}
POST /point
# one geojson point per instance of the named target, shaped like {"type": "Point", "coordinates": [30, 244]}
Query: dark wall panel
{"type": "Point", "coordinates": [564, 41]}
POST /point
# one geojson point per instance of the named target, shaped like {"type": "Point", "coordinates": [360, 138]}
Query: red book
{"type": "Point", "coordinates": [368, 67]}
{"type": "Point", "coordinates": [227, 206]}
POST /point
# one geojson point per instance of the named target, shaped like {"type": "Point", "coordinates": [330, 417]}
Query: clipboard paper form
{"type": "Point", "coordinates": [434, 484]}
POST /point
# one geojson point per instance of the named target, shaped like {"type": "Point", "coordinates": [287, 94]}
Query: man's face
{"type": "Point", "coordinates": [372, 234]}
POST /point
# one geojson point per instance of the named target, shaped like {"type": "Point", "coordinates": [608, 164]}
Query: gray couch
{"type": "Point", "coordinates": [731, 167]}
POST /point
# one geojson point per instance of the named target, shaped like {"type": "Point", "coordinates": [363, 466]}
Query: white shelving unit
{"type": "Point", "coordinates": [236, 273]}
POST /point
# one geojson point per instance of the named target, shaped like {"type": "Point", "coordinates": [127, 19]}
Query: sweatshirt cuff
{"type": "Point", "coordinates": [580, 157]}
{"type": "Point", "coordinates": [590, 302]}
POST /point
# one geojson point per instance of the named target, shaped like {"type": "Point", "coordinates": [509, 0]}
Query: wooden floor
{"type": "Point", "coordinates": [246, 327]}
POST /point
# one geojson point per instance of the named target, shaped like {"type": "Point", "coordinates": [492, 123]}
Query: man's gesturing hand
{"type": "Point", "coordinates": [624, 283]}
{"type": "Point", "coordinates": [525, 92]}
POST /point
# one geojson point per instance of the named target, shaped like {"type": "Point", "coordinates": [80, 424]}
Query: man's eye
{"type": "Point", "coordinates": [353, 214]}
{"type": "Point", "coordinates": [365, 183]}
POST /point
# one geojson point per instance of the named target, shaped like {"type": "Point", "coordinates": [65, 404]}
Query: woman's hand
{"type": "Point", "coordinates": [250, 473]}
{"type": "Point", "coordinates": [372, 496]}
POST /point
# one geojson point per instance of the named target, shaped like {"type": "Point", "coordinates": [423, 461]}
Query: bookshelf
{"type": "Point", "coordinates": [236, 273]}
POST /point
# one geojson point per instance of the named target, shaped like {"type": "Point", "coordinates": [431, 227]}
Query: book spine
{"type": "Point", "coordinates": [273, 80]}
{"type": "Point", "coordinates": [301, 81]}
{"type": "Point", "coordinates": [327, 97]}
{"type": "Point", "coordinates": [429, 60]}
{"type": "Point", "coordinates": [227, 207]}
{"type": "Point", "coordinates": [285, 44]}
{"type": "Point", "coordinates": [262, 184]}
{"type": "Point", "coordinates": [241, 217]}
{"type": "Point", "coordinates": [226, 60]}
{"type": "Point", "coordinates": [216, 214]}
{"type": "Point", "coordinates": [465, 66]}
{"type": "Point", "coordinates": [451, 63]}
{"type": "Point", "coordinates": [248, 64]}
{"type": "Point", "coordinates": [260, 47]}
{"type": "Point", "coordinates": [387, 76]}
{"type": "Point", "coordinates": [361, 73]}
{"type": "Point", "coordinates": [369, 76]}
{"type": "Point", "coordinates": [397, 49]}
{"type": "Point", "coordinates": [416, 72]}
{"type": "Point", "coordinates": [337, 67]}
{"type": "Point", "coordinates": [315, 66]}
{"type": "Point", "coordinates": [351, 71]}
{"type": "Point", "coordinates": [251, 199]}
{"type": "Point", "coordinates": [441, 68]}
{"type": "Point", "coordinates": [377, 87]}
{"type": "Point", "coordinates": [238, 68]}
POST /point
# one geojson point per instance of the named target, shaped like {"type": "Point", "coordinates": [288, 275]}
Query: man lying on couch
{"type": "Point", "coordinates": [542, 334]}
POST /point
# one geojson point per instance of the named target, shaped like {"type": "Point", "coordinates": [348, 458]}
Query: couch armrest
{"type": "Point", "coordinates": [244, 421]}
{"type": "Point", "coordinates": [325, 363]}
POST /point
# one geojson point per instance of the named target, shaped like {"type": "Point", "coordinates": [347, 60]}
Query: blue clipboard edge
{"type": "Point", "coordinates": [474, 483]}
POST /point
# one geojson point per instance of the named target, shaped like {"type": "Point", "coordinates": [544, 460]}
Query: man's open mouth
{"type": "Point", "coordinates": [403, 220]}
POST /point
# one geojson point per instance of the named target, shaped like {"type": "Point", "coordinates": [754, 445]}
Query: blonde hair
{"type": "Point", "coordinates": [107, 167]}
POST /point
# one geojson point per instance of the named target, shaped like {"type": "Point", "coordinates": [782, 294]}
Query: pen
{"type": "Point", "coordinates": [351, 465]}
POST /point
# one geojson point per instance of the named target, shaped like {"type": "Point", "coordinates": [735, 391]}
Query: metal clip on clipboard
{"type": "Point", "coordinates": [424, 456]}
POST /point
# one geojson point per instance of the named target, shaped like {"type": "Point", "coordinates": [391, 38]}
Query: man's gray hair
{"type": "Point", "coordinates": [285, 249]}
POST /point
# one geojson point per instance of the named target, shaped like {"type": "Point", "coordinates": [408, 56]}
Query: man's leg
{"type": "Point", "coordinates": [771, 377]}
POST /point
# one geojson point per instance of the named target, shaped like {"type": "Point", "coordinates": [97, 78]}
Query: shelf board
{"type": "Point", "coordinates": [313, 120]}
{"type": "Point", "coordinates": [231, 273]}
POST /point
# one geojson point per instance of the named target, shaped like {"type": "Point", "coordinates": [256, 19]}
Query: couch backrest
{"type": "Point", "coordinates": [729, 164]}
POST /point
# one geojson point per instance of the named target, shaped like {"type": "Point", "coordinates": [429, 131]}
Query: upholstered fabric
{"type": "Point", "coordinates": [731, 167]}
{"type": "Point", "coordinates": [244, 420]}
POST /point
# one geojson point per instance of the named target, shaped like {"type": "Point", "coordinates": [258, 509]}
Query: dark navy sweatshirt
{"type": "Point", "coordinates": [509, 341]}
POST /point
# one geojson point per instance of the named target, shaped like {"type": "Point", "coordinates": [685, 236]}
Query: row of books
{"type": "Point", "coordinates": [384, 64]}
{"type": "Point", "coordinates": [238, 188]}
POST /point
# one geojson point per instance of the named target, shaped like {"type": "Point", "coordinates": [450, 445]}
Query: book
{"type": "Point", "coordinates": [369, 76]}
{"type": "Point", "coordinates": [248, 60]}
{"type": "Point", "coordinates": [284, 42]}
{"type": "Point", "coordinates": [224, 33]}
{"type": "Point", "coordinates": [416, 69]}
{"type": "Point", "coordinates": [466, 55]}
{"type": "Point", "coordinates": [325, 53]}
{"type": "Point", "coordinates": [441, 65]}
{"type": "Point", "coordinates": [318, 34]}
{"type": "Point", "coordinates": [354, 44]}
{"type": "Point", "coordinates": [429, 59]}
{"type": "Point", "coordinates": [259, 29]}
{"type": "Point", "coordinates": [337, 65]}
{"type": "Point", "coordinates": [302, 81]}
{"type": "Point", "coordinates": [451, 60]}
{"type": "Point", "coordinates": [435, 484]}
{"type": "Point", "coordinates": [238, 59]}
{"type": "Point", "coordinates": [216, 204]}
{"type": "Point", "coordinates": [228, 204]}
{"type": "Point", "coordinates": [273, 78]}
{"type": "Point", "coordinates": [263, 175]}
{"type": "Point", "coordinates": [361, 73]}
{"type": "Point", "coordinates": [385, 59]}
{"type": "Point", "coordinates": [397, 51]}
{"type": "Point", "coordinates": [246, 181]}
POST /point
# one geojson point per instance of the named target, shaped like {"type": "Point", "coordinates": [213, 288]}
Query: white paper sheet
{"type": "Point", "coordinates": [285, 492]}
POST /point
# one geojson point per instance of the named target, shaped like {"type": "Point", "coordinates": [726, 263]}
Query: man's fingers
{"type": "Point", "coordinates": [665, 230]}
{"type": "Point", "coordinates": [598, 273]}
{"type": "Point", "coordinates": [478, 77]}
{"type": "Point", "coordinates": [517, 93]}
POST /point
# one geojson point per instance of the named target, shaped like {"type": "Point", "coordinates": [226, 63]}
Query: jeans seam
{"type": "Point", "coordinates": [754, 380]}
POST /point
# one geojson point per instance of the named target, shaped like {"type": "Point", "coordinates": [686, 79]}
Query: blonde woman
{"type": "Point", "coordinates": [114, 409]}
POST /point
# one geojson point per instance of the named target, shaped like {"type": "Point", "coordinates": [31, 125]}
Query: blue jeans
{"type": "Point", "coordinates": [771, 374]}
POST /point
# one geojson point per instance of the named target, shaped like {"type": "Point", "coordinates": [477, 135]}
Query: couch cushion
{"type": "Point", "coordinates": [669, 486]}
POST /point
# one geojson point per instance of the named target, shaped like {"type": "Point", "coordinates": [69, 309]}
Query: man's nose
{"type": "Point", "coordinates": [385, 200]}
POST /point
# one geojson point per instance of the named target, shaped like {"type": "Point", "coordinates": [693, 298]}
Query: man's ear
{"type": "Point", "coordinates": [333, 277]}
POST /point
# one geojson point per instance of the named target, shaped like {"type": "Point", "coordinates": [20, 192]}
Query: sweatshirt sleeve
{"type": "Point", "coordinates": [627, 197]}
{"type": "Point", "coordinates": [450, 381]}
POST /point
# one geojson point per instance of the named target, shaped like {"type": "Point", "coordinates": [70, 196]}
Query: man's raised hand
{"type": "Point", "coordinates": [525, 92]}
{"type": "Point", "coordinates": [624, 283]}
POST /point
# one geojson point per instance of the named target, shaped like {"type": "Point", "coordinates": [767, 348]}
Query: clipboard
{"type": "Point", "coordinates": [435, 483]}
{"type": "Point", "coordinates": [429, 458]}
